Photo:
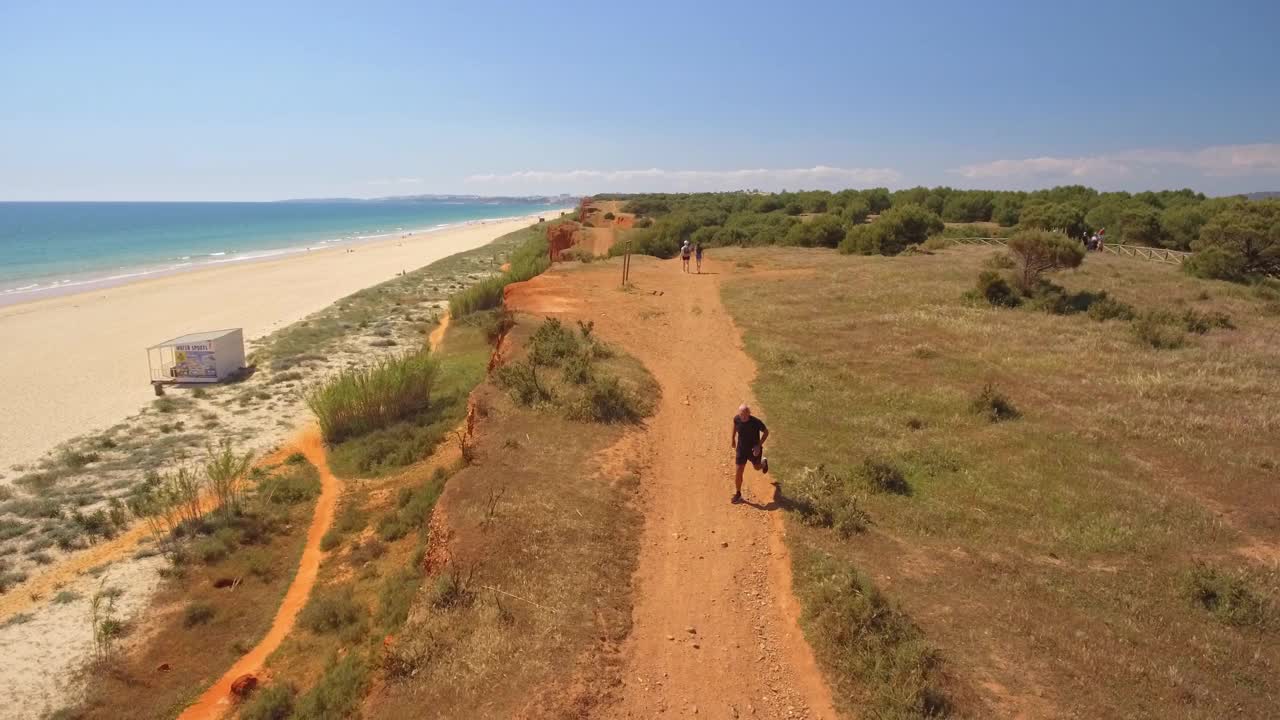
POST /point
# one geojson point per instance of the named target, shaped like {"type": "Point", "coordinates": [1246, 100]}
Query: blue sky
{"type": "Point", "coordinates": [251, 101]}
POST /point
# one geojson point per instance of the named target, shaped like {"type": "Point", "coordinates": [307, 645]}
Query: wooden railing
{"type": "Point", "coordinates": [1172, 257]}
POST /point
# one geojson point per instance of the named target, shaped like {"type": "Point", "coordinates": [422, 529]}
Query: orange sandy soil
{"type": "Point", "coordinates": [715, 624]}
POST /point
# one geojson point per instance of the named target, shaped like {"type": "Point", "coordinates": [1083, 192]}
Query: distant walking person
{"type": "Point", "coordinates": [685, 250]}
{"type": "Point", "coordinates": [747, 440]}
{"type": "Point", "coordinates": [697, 254]}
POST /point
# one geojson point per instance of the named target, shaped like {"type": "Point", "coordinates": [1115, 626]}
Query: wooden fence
{"type": "Point", "coordinates": [1172, 257]}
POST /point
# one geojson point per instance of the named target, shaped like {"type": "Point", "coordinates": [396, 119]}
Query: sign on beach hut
{"type": "Point", "coordinates": [207, 357]}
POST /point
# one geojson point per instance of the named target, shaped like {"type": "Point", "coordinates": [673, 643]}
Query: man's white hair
{"type": "Point", "coordinates": [744, 406]}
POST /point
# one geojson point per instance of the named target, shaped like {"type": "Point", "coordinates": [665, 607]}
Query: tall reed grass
{"type": "Point", "coordinates": [529, 260]}
{"type": "Point", "coordinates": [360, 400]}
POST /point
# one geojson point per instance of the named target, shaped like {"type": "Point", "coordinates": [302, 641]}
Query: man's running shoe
{"type": "Point", "coordinates": [764, 465]}
{"type": "Point", "coordinates": [737, 498]}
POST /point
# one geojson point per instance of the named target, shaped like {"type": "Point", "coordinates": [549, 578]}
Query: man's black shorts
{"type": "Point", "coordinates": [746, 455]}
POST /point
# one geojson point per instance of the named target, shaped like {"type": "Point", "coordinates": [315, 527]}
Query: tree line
{"type": "Point", "coordinates": [1233, 237]}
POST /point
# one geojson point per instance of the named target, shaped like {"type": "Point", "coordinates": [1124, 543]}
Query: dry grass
{"type": "Point", "coordinates": [1047, 558]}
{"type": "Point", "coordinates": [504, 627]}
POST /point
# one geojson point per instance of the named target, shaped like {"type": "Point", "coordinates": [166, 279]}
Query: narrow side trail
{"type": "Point", "coordinates": [217, 699]}
{"type": "Point", "coordinates": [714, 626]}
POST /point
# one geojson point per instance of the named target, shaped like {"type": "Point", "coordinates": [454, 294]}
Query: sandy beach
{"type": "Point", "coordinates": [77, 363]}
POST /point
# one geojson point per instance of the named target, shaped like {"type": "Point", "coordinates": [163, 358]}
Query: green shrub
{"type": "Point", "coordinates": [870, 644]}
{"type": "Point", "coordinates": [825, 231]}
{"type": "Point", "coordinates": [521, 380]}
{"type": "Point", "coordinates": [484, 295]}
{"type": "Point", "coordinates": [493, 323]}
{"type": "Point", "coordinates": [1058, 217]}
{"type": "Point", "coordinates": [197, 613]}
{"type": "Point", "coordinates": [395, 598]}
{"type": "Point", "coordinates": [360, 400]}
{"type": "Point", "coordinates": [993, 288]}
{"type": "Point", "coordinates": [1159, 330]}
{"type": "Point", "coordinates": [1229, 598]}
{"type": "Point", "coordinates": [293, 484]}
{"type": "Point", "coordinates": [210, 550]}
{"type": "Point", "coordinates": [350, 519]}
{"type": "Point", "coordinates": [1038, 251]}
{"type": "Point", "coordinates": [605, 400]}
{"type": "Point", "coordinates": [1247, 235]}
{"type": "Point", "coordinates": [392, 527]}
{"type": "Point", "coordinates": [552, 343]}
{"type": "Point", "coordinates": [1106, 308]}
{"type": "Point", "coordinates": [993, 405]}
{"type": "Point", "coordinates": [331, 610]}
{"type": "Point", "coordinates": [577, 369]}
{"type": "Point", "coordinates": [826, 499]}
{"type": "Point", "coordinates": [366, 552]}
{"type": "Point", "coordinates": [529, 259]}
{"type": "Point", "coordinates": [274, 702]}
{"type": "Point", "coordinates": [330, 540]}
{"type": "Point", "coordinates": [892, 232]}
{"type": "Point", "coordinates": [338, 693]}
{"type": "Point", "coordinates": [1215, 262]}
{"type": "Point", "coordinates": [884, 477]}
{"type": "Point", "coordinates": [1000, 261]}
{"type": "Point", "coordinates": [1201, 323]}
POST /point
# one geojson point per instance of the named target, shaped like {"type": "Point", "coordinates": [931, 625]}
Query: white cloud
{"type": "Point", "coordinates": [1214, 161]}
{"type": "Point", "coordinates": [657, 179]}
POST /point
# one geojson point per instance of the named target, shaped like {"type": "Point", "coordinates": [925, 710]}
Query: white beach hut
{"type": "Point", "coordinates": [206, 357]}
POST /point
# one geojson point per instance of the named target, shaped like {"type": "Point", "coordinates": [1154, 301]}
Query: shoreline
{"type": "Point", "coordinates": [125, 275]}
{"type": "Point", "coordinates": [76, 363]}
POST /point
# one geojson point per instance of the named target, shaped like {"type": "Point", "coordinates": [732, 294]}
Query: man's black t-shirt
{"type": "Point", "coordinates": [748, 432]}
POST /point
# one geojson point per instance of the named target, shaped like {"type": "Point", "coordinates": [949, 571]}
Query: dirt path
{"type": "Point", "coordinates": [217, 699]}
{"type": "Point", "coordinates": [714, 626]}
{"type": "Point", "coordinates": [437, 335]}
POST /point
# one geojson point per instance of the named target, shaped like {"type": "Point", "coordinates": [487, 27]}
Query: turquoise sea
{"type": "Point", "coordinates": [52, 247]}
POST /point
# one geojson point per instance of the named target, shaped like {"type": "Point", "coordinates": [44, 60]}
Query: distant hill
{"type": "Point", "coordinates": [1263, 195]}
{"type": "Point", "coordinates": [532, 199]}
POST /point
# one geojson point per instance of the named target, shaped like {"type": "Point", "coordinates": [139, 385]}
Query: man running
{"type": "Point", "coordinates": [684, 255]}
{"type": "Point", "coordinates": [697, 254]}
{"type": "Point", "coordinates": [748, 437]}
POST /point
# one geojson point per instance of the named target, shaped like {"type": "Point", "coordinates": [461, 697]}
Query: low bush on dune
{"type": "Point", "coordinates": [339, 691]}
{"type": "Point", "coordinates": [331, 610]}
{"type": "Point", "coordinates": [585, 392]}
{"type": "Point", "coordinates": [606, 401]}
{"type": "Point", "coordinates": [528, 260]}
{"type": "Point", "coordinates": [361, 400]}
{"type": "Point", "coordinates": [197, 613]}
{"type": "Point", "coordinates": [270, 703]}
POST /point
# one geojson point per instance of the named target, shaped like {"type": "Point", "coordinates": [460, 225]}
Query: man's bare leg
{"type": "Point", "coordinates": [737, 480]}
